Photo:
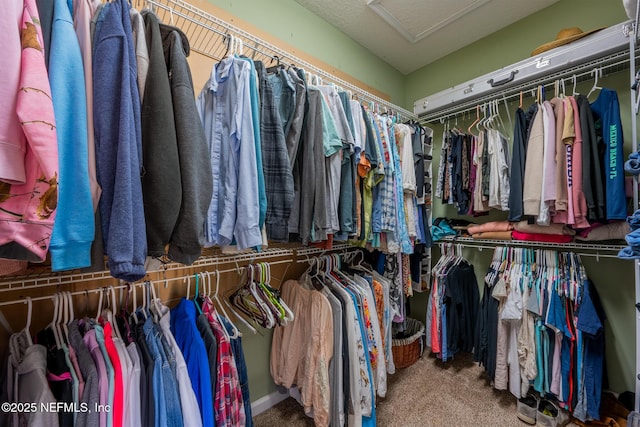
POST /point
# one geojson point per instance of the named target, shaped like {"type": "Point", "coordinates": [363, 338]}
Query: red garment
{"type": "Point", "coordinates": [572, 344]}
{"type": "Point", "coordinates": [118, 394]}
{"type": "Point", "coordinates": [435, 318]}
{"type": "Point", "coordinates": [548, 238]}
{"type": "Point", "coordinates": [324, 244]}
{"type": "Point", "coordinates": [228, 404]}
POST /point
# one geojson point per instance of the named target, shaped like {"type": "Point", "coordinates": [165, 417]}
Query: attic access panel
{"type": "Point", "coordinates": [417, 19]}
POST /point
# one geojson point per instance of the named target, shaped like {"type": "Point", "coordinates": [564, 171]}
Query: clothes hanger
{"type": "Point", "coordinates": [197, 293]}
{"type": "Point", "coordinates": [157, 313]}
{"type": "Point", "coordinates": [286, 314]}
{"type": "Point", "coordinates": [60, 318]}
{"type": "Point", "coordinates": [134, 310]}
{"type": "Point", "coordinates": [236, 332]}
{"type": "Point", "coordinates": [574, 79]}
{"type": "Point", "coordinates": [122, 313]}
{"type": "Point", "coordinates": [520, 105]}
{"type": "Point", "coordinates": [66, 319]}
{"type": "Point", "coordinates": [595, 73]}
{"type": "Point", "coordinates": [264, 305]}
{"type": "Point", "coordinates": [143, 308]}
{"type": "Point", "coordinates": [54, 322]}
{"type": "Point", "coordinates": [229, 39]}
{"type": "Point", "coordinates": [238, 300]}
{"type": "Point", "coordinates": [240, 46]}
{"type": "Point", "coordinates": [116, 330]}
{"type": "Point", "coordinates": [475, 121]}
{"type": "Point", "coordinates": [107, 313]}
{"type": "Point", "coordinates": [26, 331]}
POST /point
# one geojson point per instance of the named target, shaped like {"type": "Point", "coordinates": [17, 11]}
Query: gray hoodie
{"type": "Point", "coordinates": [28, 374]}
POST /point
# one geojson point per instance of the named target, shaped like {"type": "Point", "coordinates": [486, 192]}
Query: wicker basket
{"type": "Point", "coordinates": [406, 351]}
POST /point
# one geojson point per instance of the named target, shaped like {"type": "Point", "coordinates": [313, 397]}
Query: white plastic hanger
{"type": "Point", "coordinates": [72, 314]}
{"type": "Point", "coordinates": [26, 331]}
{"type": "Point", "coordinates": [99, 306]}
{"type": "Point", "coordinates": [112, 320]}
{"type": "Point", "coordinates": [66, 301]}
{"type": "Point", "coordinates": [144, 300]}
{"type": "Point", "coordinates": [53, 325]}
{"type": "Point", "coordinates": [236, 333]}
{"type": "Point", "coordinates": [595, 73]}
{"type": "Point", "coordinates": [134, 315]}
{"type": "Point", "coordinates": [157, 313]}
{"type": "Point", "coordinates": [61, 310]}
{"type": "Point", "coordinates": [217, 314]}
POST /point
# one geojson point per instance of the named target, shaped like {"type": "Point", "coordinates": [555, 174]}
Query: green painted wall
{"type": "Point", "coordinates": [613, 278]}
{"type": "Point", "coordinates": [290, 22]}
{"type": "Point", "coordinates": [511, 44]}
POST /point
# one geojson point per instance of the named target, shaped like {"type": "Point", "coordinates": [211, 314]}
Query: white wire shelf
{"type": "Point", "coordinates": [213, 259]}
{"type": "Point", "coordinates": [607, 65]}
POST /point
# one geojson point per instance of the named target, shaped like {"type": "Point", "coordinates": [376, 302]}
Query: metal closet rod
{"type": "Point", "coordinates": [70, 278]}
{"type": "Point", "coordinates": [164, 282]}
{"type": "Point", "coordinates": [39, 281]}
{"type": "Point", "coordinates": [578, 248]}
{"type": "Point", "coordinates": [200, 18]}
{"type": "Point", "coordinates": [606, 66]}
{"type": "Point", "coordinates": [480, 247]}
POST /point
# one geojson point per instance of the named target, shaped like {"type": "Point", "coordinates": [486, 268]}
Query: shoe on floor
{"type": "Point", "coordinates": [547, 415]}
{"type": "Point", "coordinates": [526, 409]}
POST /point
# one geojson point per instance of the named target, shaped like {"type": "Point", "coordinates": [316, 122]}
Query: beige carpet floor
{"type": "Point", "coordinates": [428, 393]}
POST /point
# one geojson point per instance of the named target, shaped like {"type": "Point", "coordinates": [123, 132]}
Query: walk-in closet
{"type": "Point", "coordinates": [336, 213]}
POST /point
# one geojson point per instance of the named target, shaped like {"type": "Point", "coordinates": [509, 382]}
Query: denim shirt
{"type": "Point", "coordinates": [225, 110]}
{"type": "Point", "coordinates": [255, 112]}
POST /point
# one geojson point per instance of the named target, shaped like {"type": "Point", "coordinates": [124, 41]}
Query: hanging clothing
{"type": "Point", "coordinates": [74, 228]}
{"type": "Point", "coordinates": [606, 111]}
{"type": "Point", "coordinates": [183, 327]}
{"type": "Point", "coordinates": [592, 175]}
{"type": "Point", "coordinates": [29, 157]}
{"type": "Point", "coordinates": [224, 107]}
{"type": "Point", "coordinates": [119, 152]}
{"type": "Point", "coordinates": [277, 169]}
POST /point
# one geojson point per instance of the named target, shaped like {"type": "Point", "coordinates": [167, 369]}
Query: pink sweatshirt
{"type": "Point", "coordinates": [12, 142]}
{"type": "Point", "coordinates": [27, 210]}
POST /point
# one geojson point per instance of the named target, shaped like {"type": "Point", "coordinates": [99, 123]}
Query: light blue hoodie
{"type": "Point", "coordinates": [74, 229]}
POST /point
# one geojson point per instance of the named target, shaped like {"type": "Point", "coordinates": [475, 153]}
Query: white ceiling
{"type": "Point", "coordinates": [409, 34]}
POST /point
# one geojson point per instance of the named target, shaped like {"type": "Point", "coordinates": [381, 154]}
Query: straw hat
{"type": "Point", "coordinates": [565, 36]}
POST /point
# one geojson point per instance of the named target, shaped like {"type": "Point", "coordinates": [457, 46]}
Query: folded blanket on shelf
{"type": "Point", "coordinates": [611, 231]}
{"type": "Point", "coordinates": [525, 227]}
{"type": "Point", "coordinates": [537, 237]}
